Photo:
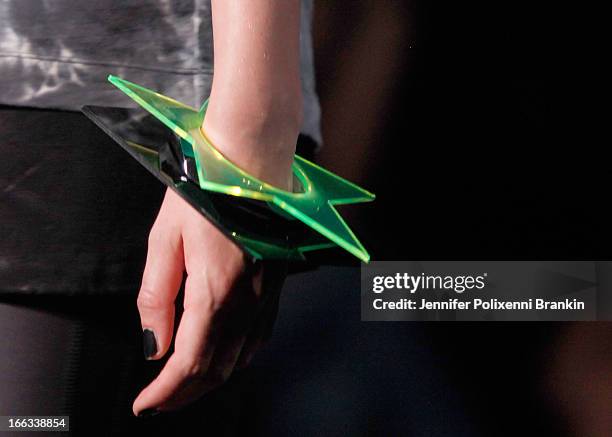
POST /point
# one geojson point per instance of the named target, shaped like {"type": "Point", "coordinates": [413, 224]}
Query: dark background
{"type": "Point", "coordinates": [472, 122]}
{"type": "Point", "coordinates": [476, 125]}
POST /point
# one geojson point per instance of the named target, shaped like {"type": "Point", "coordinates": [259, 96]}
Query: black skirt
{"type": "Point", "coordinates": [75, 209]}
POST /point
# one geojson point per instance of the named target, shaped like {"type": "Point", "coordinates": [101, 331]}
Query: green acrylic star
{"type": "Point", "coordinates": [311, 202]}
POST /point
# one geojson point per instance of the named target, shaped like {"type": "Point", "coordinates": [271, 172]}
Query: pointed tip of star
{"type": "Point", "coordinates": [357, 250]}
{"type": "Point", "coordinates": [365, 257]}
{"type": "Point", "coordinates": [369, 195]}
{"type": "Point", "coordinates": [345, 191]}
{"type": "Point", "coordinates": [117, 81]}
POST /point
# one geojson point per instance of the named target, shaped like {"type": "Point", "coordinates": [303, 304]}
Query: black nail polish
{"type": "Point", "coordinates": [149, 344]}
{"type": "Point", "coordinates": [149, 412]}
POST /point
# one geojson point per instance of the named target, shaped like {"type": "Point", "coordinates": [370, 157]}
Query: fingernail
{"type": "Point", "coordinates": [149, 412]}
{"type": "Point", "coordinates": [149, 344]}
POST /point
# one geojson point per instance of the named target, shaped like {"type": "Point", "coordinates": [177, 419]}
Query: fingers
{"type": "Point", "coordinates": [260, 332]}
{"type": "Point", "coordinates": [223, 295]}
{"type": "Point", "coordinates": [193, 347]}
{"type": "Point", "coordinates": [273, 277]}
{"type": "Point", "coordinates": [234, 336]}
{"type": "Point", "coordinates": [160, 284]}
{"type": "Point", "coordinates": [208, 341]}
{"type": "Point", "coordinates": [218, 368]}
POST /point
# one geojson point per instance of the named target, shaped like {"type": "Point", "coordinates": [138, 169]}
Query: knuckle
{"type": "Point", "coordinates": [149, 299]}
{"type": "Point", "coordinates": [155, 236]}
{"type": "Point", "coordinates": [205, 301]}
{"type": "Point", "coordinates": [166, 237]}
{"type": "Point", "coordinates": [212, 302]}
{"type": "Point", "coordinates": [224, 283]}
{"type": "Point", "coordinates": [192, 368]}
{"type": "Point", "coordinates": [215, 305]}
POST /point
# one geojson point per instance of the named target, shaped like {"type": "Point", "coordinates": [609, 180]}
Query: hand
{"type": "Point", "coordinates": [229, 307]}
{"type": "Point", "coordinates": [253, 117]}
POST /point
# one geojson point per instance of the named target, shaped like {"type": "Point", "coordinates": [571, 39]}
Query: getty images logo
{"type": "Point", "coordinates": [414, 283]}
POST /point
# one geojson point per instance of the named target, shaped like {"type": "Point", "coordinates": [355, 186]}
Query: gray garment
{"type": "Point", "coordinates": [58, 53]}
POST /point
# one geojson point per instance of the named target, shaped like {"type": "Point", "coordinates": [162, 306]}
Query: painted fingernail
{"type": "Point", "coordinates": [149, 412]}
{"type": "Point", "coordinates": [149, 344]}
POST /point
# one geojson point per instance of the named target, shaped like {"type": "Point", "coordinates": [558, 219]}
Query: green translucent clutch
{"type": "Point", "coordinates": [265, 221]}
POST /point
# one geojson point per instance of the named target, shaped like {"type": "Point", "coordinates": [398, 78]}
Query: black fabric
{"type": "Point", "coordinates": [82, 357]}
{"type": "Point", "coordinates": [75, 209]}
{"type": "Point", "coordinates": [323, 372]}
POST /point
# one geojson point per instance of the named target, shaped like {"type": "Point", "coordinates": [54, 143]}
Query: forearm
{"type": "Point", "coordinates": [255, 106]}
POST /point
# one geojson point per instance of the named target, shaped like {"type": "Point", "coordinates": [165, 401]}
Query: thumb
{"type": "Point", "coordinates": [161, 281]}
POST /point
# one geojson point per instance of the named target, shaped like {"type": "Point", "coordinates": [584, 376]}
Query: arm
{"type": "Point", "coordinates": [255, 104]}
{"type": "Point", "coordinates": [253, 118]}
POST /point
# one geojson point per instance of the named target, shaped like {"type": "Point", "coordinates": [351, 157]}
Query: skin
{"type": "Point", "coordinates": [230, 303]}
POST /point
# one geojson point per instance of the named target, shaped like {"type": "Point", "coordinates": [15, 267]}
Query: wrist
{"type": "Point", "coordinates": [259, 138]}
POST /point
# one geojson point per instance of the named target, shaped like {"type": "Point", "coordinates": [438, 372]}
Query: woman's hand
{"type": "Point", "coordinates": [229, 308]}
{"type": "Point", "coordinates": [253, 118]}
